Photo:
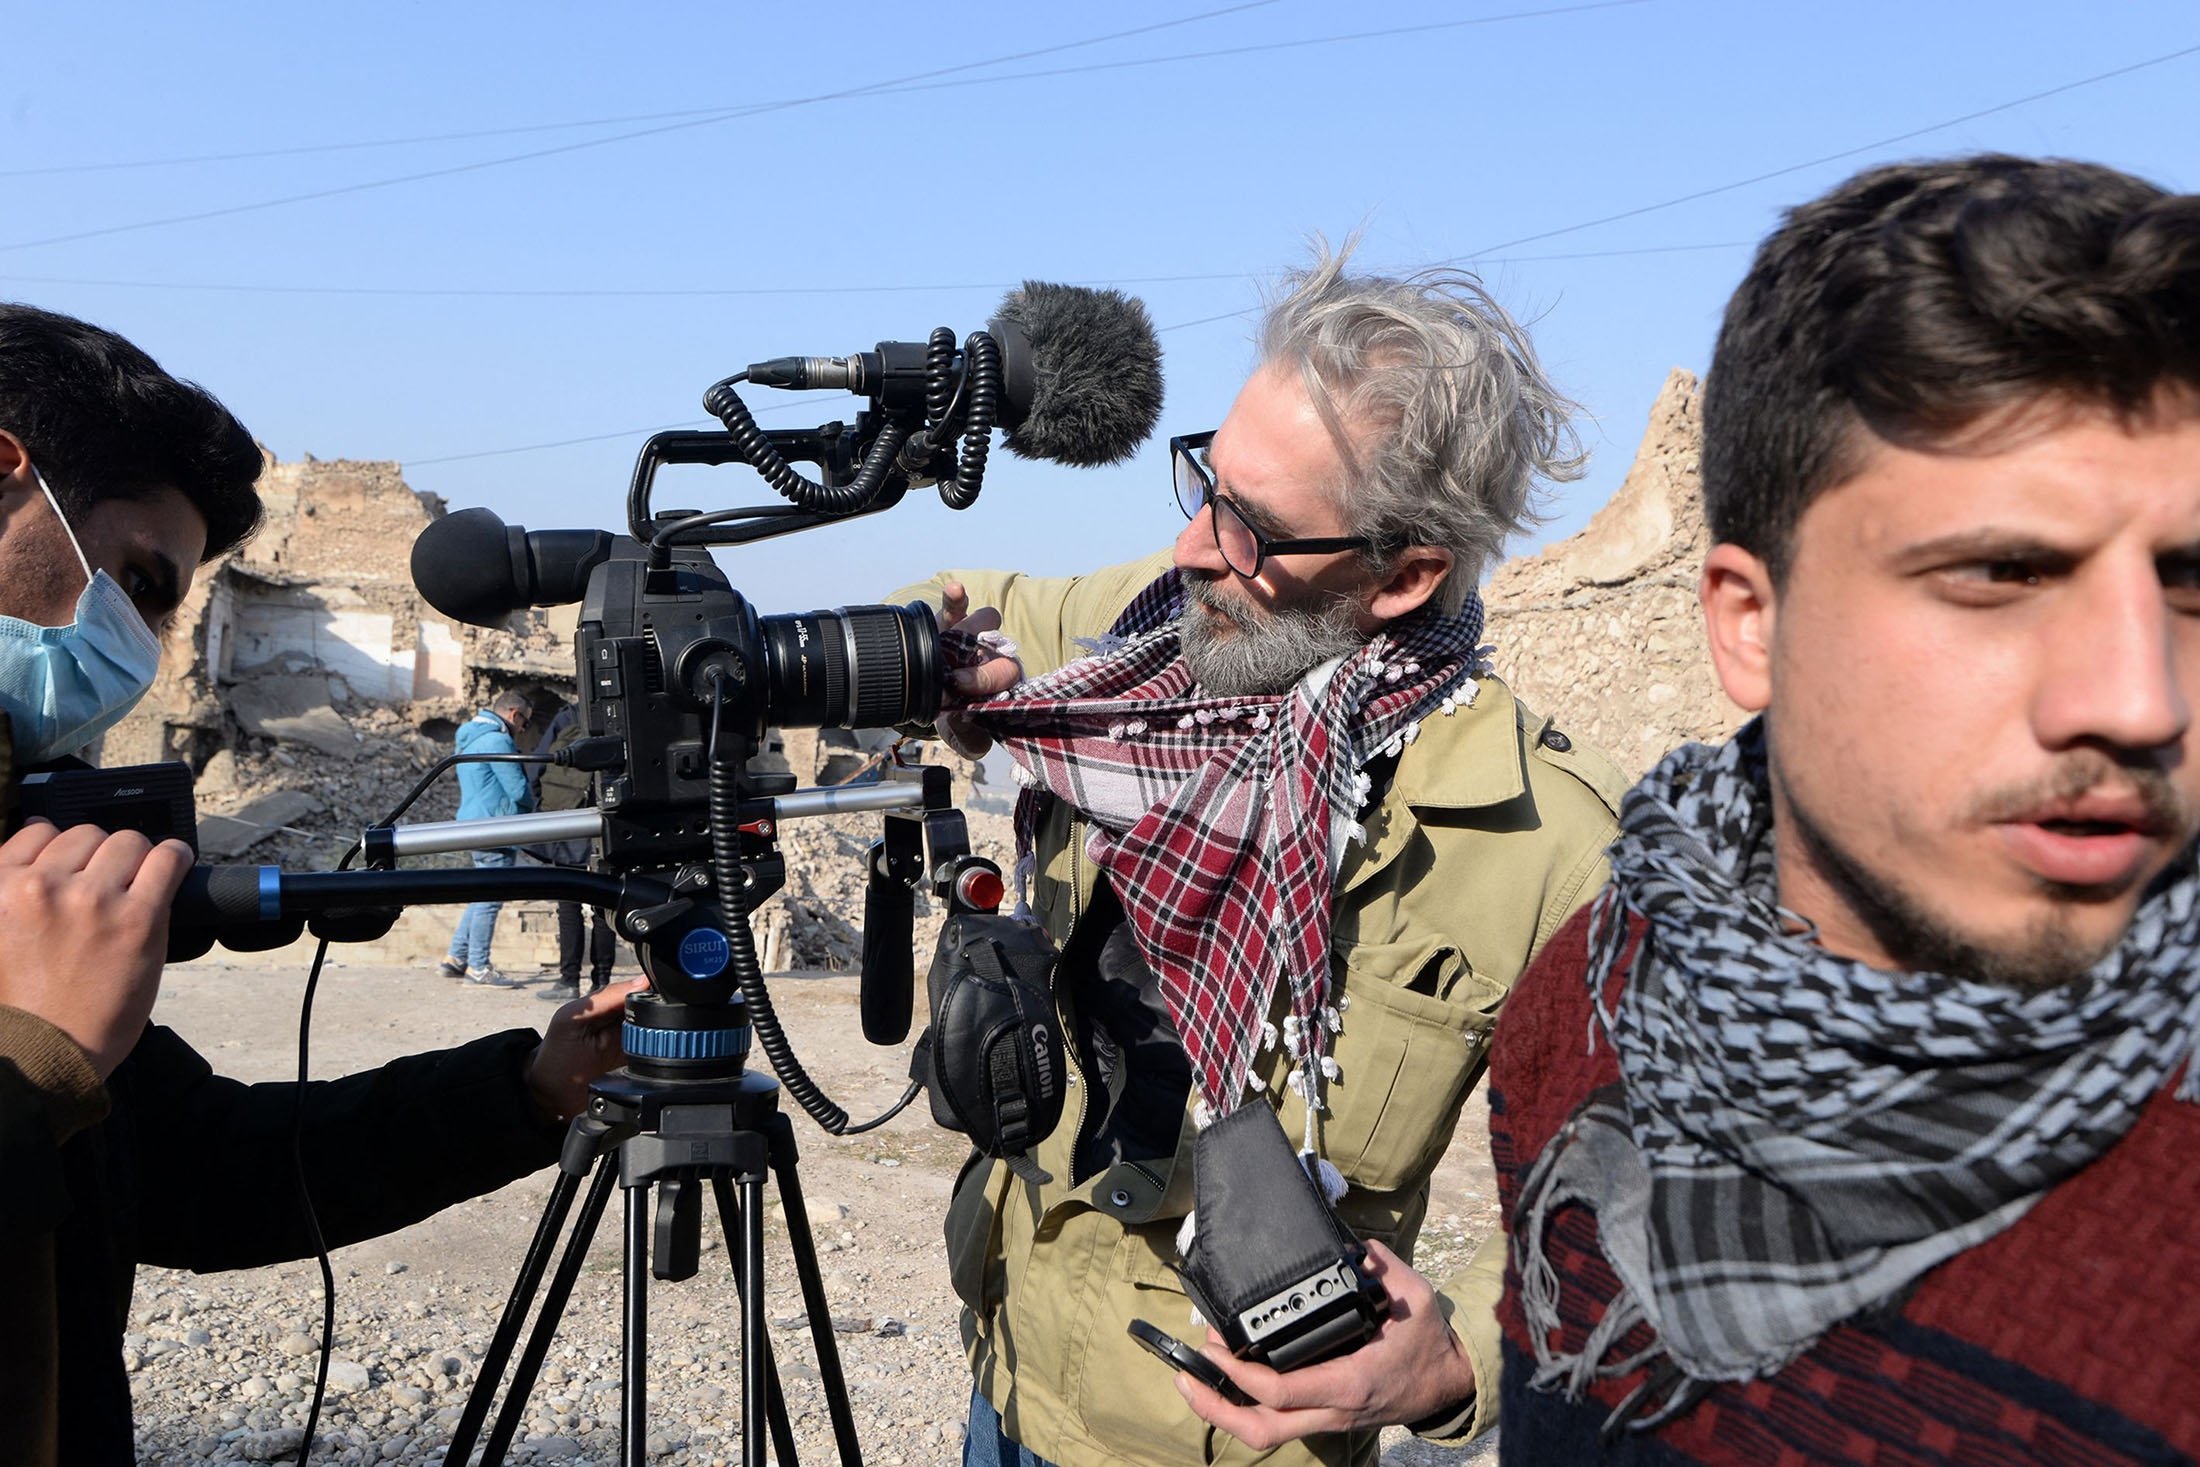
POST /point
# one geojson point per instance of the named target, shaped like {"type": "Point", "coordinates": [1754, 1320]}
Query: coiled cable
{"type": "Point", "coordinates": [981, 381]}
{"type": "Point", "coordinates": [755, 446]}
{"type": "Point", "coordinates": [733, 901]}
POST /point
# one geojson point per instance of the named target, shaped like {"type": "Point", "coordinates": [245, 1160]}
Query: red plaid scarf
{"type": "Point", "coordinates": [1221, 820]}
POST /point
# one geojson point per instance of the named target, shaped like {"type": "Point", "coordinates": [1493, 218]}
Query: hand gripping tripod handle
{"type": "Point", "coordinates": [242, 907]}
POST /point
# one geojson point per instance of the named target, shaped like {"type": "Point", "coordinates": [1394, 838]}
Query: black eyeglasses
{"type": "Point", "coordinates": [1244, 548]}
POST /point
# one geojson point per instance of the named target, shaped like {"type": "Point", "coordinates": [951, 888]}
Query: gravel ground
{"type": "Point", "coordinates": [222, 1365]}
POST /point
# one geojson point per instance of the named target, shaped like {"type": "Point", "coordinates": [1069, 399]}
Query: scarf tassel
{"type": "Point", "coordinates": [1571, 1374]}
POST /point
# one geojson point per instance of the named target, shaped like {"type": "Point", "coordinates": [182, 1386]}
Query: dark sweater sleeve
{"type": "Point", "coordinates": [48, 1092]}
{"type": "Point", "coordinates": [382, 1149]}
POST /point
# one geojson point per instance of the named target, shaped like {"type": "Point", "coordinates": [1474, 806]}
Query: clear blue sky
{"type": "Point", "coordinates": [893, 173]}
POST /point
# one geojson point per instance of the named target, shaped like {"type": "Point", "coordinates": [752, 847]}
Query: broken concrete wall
{"type": "Point", "coordinates": [308, 686]}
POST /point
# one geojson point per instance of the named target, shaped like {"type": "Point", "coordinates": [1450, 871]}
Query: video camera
{"type": "Point", "coordinates": [679, 677]}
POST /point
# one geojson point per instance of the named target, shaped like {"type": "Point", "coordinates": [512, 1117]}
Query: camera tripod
{"type": "Point", "coordinates": [683, 1116]}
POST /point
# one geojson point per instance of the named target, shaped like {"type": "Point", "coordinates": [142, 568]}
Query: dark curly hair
{"type": "Point", "coordinates": [103, 421]}
{"type": "Point", "coordinates": [1915, 300]}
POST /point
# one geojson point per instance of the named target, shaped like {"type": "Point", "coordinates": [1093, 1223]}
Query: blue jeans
{"type": "Point", "coordinates": [477, 925]}
{"type": "Point", "coordinates": [986, 1443]}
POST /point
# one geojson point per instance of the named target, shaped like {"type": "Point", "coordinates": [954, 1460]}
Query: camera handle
{"type": "Point", "coordinates": [893, 866]}
{"type": "Point", "coordinates": [831, 446]}
{"type": "Point", "coordinates": [936, 844]}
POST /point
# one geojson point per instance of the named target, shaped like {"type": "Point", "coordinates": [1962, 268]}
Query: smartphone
{"type": "Point", "coordinates": [1177, 1355]}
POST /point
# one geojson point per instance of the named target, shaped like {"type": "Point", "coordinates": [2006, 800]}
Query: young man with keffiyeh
{"type": "Point", "coordinates": [1297, 843]}
{"type": "Point", "coordinates": [1856, 1121]}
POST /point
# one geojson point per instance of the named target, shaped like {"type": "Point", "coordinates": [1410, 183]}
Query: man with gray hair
{"type": "Point", "coordinates": [1296, 842]}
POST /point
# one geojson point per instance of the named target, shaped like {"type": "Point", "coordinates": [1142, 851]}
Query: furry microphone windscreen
{"type": "Point", "coordinates": [1084, 366]}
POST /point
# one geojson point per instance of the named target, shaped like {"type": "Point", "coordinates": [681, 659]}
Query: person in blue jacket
{"type": "Point", "coordinates": [486, 791]}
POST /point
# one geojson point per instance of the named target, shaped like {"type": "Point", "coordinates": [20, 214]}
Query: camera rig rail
{"type": "Point", "coordinates": [925, 843]}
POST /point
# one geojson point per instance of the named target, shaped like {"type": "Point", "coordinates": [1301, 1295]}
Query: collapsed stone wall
{"type": "Point", "coordinates": [309, 687]}
{"type": "Point", "coordinates": [1601, 631]}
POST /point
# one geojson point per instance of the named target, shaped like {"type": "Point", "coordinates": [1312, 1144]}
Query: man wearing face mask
{"type": "Point", "coordinates": [117, 1142]}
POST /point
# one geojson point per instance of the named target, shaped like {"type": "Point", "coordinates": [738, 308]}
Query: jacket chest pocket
{"type": "Point", "coordinates": [1406, 1058]}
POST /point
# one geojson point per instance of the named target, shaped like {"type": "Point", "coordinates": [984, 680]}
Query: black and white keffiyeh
{"type": "Point", "coordinates": [1796, 1136]}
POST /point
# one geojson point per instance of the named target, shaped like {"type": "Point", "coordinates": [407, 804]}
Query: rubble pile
{"type": "Point", "coordinates": [1601, 631]}
{"type": "Point", "coordinates": [301, 807]}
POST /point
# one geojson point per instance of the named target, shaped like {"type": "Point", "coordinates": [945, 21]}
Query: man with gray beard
{"type": "Point", "coordinates": [1296, 843]}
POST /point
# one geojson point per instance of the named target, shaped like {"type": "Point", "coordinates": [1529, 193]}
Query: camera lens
{"type": "Point", "coordinates": [854, 667]}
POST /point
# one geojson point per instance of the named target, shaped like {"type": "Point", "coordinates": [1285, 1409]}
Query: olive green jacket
{"type": "Point", "coordinates": [1492, 832]}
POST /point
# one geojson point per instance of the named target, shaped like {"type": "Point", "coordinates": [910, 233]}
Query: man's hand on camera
{"type": "Point", "coordinates": [581, 1043]}
{"type": "Point", "coordinates": [971, 684]}
{"type": "Point", "coordinates": [1411, 1369]}
{"type": "Point", "coordinates": [86, 918]}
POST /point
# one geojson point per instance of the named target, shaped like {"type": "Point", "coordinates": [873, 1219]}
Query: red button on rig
{"type": "Point", "coordinates": [980, 888]}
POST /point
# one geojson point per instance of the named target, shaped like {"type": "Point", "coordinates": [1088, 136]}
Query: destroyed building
{"type": "Point", "coordinates": [308, 686]}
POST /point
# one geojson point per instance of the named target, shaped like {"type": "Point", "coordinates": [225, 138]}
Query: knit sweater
{"type": "Point", "coordinates": [2071, 1337]}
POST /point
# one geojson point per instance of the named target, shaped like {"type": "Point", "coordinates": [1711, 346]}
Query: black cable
{"type": "Point", "coordinates": [733, 902]}
{"type": "Point", "coordinates": [435, 772]}
{"type": "Point", "coordinates": [305, 1195]}
{"type": "Point", "coordinates": [305, 1204]}
{"type": "Point", "coordinates": [916, 1088]}
{"type": "Point", "coordinates": [707, 113]}
{"type": "Point", "coordinates": [668, 531]}
{"type": "Point", "coordinates": [298, 1102]}
{"type": "Point", "coordinates": [872, 478]}
{"type": "Point", "coordinates": [941, 386]}
{"type": "Point", "coordinates": [981, 386]}
{"type": "Point", "coordinates": [921, 81]}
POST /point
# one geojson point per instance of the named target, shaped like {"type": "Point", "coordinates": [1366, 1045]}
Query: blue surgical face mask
{"type": "Point", "coordinates": [62, 687]}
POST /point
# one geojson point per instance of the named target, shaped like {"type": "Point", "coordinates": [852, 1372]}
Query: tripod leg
{"type": "Point", "coordinates": [781, 1135]}
{"type": "Point", "coordinates": [729, 1212]}
{"type": "Point", "coordinates": [754, 1364]}
{"type": "Point", "coordinates": [546, 1323]}
{"type": "Point", "coordinates": [523, 1293]}
{"type": "Point", "coordinates": [634, 1409]}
